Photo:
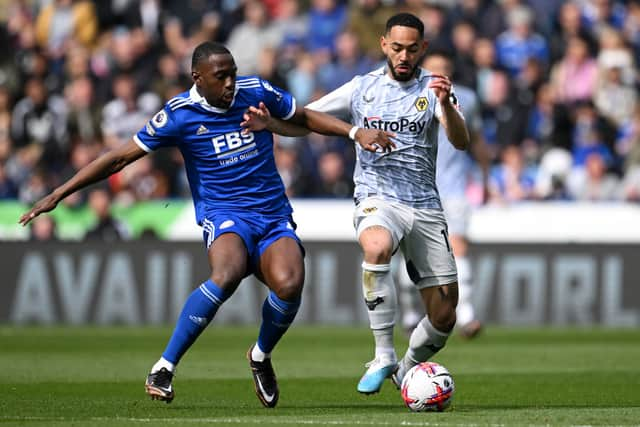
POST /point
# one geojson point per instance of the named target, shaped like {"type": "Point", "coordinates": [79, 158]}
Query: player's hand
{"type": "Point", "coordinates": [375, 140]}
{"type": "Point", "coordinates": [45, 204]}
{"type": "Point", "coordinates": [255, 119]}
{"type": "Point", "coordinates": [441, 85]}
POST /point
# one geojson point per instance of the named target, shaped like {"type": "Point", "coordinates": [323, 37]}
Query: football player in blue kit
{"type": "Point", "coordinates": [239, 200]}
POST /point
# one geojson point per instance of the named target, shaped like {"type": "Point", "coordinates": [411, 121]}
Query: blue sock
{"type": "Point", "coordinates": [277, 316]}
{"type": "Point", "coordinates": [196, 314]}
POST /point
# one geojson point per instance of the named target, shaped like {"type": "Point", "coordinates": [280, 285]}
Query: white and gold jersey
{"type": "Point", "coordinates": [411, 111]}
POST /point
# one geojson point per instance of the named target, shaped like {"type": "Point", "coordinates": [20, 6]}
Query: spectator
{"type": "Point", "coordinates": [291, 23]}
{"type": "Point", "coordinates": [39, 119]}
{"type": "Point", "coordinates": [570, 24]}
{"type": "Point", "coordinates": [630, 190]}
{"type": "Point", "coordinates": [142, 14]}
{"type": "Point", "coordinates": [349, 62]}
{"type": "Point", "coordinates": [247, 40]}
{"type": "Point", "coordinates": [77, 64]}
{"type": "Point", "coordinates": [463, 37]}
{"type": "Point", "coordinates": [627, 145]}
{"type": "Point", "coordinates": [540, 123]}
{"type": "Point", "coordinates": [169, 81]}
{"type": "Point", "coordinates": [589, 135]}
{"type": "Point", "coordinates": [511, 181]}
{"type": "Point", "coordinates": [327, 18]}
{"type": "Point", "coordinates": [333, 179]}
{"type": "Point", "coordinates": [632, 26]}
{"type": "Point", "coordinates": [141, 181]}
{"type": "Point", "coordinates": [6, 145]}
{"type": "Point", "coordinates": [598, 14]}
{"type": "Point", "coordinates": [107, 228]}
{"type": "Point", "coordinates": [61, 21]}
{"type": "Point", "coordinates": [574, 77]}
{"type": "Point", "coordinates": [269, 68]}
{"type": "Point", "coordinates": [487, 16]}
{"type": "Point", "coordinates": [615, 96]}
{"type": "Point", "coordinates": [592, 182]}
{"type": "Point", "coordinates": [484, 58]}
{"type": "Point", "coordinates": [295, 176]}
{"type": "Point", "coordinates": [35, 188]}
{"type": "Point", "coordinates": [43, 229]}
{"type": "Point", "coordinates": [301, 80]}
{"type": "Point", "coordinates": [127, 112]}
{"type": "Point", "coordinates": [83, 121]}
{"type": "Point", "coordinates": [519, 43]}
{"type": "Point", "coordinates": [367, 19]}
{"type": "Point", "coordinates": [8, 189]}
{"type": "Point", "coordinates": [436, 27]}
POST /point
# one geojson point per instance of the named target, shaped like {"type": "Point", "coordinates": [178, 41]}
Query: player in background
{"type": "Point", "coordinates": [239, 201]}
{"type": "Point", "coordinates": [454, 171]}
{"type": "Point", "coordinates": [397, 203]}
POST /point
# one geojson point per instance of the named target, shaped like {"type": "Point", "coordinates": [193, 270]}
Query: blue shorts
{"type": "Point", "coordinates": [257, 231]}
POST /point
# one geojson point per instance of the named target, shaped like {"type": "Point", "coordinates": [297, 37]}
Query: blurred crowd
{"type": "Point", "coordinates": [557, 83]}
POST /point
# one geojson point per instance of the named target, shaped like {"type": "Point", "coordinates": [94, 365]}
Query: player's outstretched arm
{"type": "Point", "coordinates": [451, 119]}
{"type": "Point", "coordinates": [326, 124]}
{"type": "Point", "coordinates": [102, 167]}
{"type": "Point", "coordinates": [259, 118]}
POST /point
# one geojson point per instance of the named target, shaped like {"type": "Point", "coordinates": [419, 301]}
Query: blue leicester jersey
{"type": "Point", "coordinates": [227, 170]}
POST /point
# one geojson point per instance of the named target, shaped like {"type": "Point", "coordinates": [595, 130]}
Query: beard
{"type": "Point", "coordinates": [401, 77]}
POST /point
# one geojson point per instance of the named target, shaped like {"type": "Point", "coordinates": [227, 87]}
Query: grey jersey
{"type": "Point", "coordinates": [454, 167]}
{"type": "Point", "coordinates": [411, 111]}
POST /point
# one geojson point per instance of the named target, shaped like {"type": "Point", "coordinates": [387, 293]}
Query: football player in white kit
{"type": "Point", "coordinates": [397, 203]}
{"type": "Point", "coordinates": [454, 170]}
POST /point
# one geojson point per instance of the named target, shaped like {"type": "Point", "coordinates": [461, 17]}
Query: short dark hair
{"type": "Point", "coordinates": [204, 50]}
{"type": "Point", "coordinates": [405, 20]}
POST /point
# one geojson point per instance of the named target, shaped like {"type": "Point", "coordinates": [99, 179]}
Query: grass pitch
{"type": "Point", "coordinates": [95, 377]}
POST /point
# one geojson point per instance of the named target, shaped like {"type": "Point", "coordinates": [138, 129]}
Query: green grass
{"type": "Point", "coordinates": [95, 376]}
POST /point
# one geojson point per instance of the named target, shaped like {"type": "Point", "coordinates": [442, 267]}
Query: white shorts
{"type": "Point", "coordinates": [457, 212]}
{"type": "Point", "coordinates": [421, 235]}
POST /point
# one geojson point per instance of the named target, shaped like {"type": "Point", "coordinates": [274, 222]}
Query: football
{"type": "Point", "coordinates": [428, 386]}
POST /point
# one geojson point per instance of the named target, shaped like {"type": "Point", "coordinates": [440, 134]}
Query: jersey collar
{"type": "Point", "coordinates": [200, 100]}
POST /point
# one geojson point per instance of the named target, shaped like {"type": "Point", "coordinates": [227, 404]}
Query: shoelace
{"type": "Point", "coordinates": [371, 363]}
{"type": "Point", "coordinates": [376, 361]}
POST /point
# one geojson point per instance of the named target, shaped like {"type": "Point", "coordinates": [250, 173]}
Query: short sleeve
{"type": "Point", "coordinates": [337, 103]}
{"type": "Point", "coordinates": [280, 103]}
{"type": "Point", "coordinates": [161, 131]}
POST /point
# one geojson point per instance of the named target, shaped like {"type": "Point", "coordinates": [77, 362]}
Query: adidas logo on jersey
{"type": "Point", "coordinates": [202, 130]}
{"type": "Point", "coordinates": [402, 125]}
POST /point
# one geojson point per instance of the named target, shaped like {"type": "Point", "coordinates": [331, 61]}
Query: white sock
{"type": "Point", "coordinates": [380, 296]}
{"type": "Point", "coordinates": [258, 355]}
{"type": "Point", "coordinates": [464, 310]}
{"type": "Point", "coordinates": [384, 345]}
{"type": "Point", "coordinates": [425, 341]}
{"type": "Point", "coordinates": [163, 363]}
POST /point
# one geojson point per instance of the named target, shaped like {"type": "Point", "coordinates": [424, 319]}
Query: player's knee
{"type": "Point", "coordinates": [377, 252]}
{"type": "Point", "coordinates": [443, 320]}
{"type": "Point", "coordinates": [288, 284]}
{"type": "Point", "coordinates": [227, 280]}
